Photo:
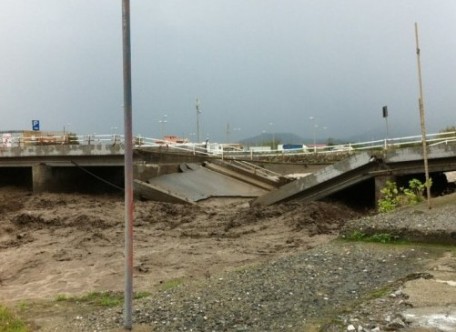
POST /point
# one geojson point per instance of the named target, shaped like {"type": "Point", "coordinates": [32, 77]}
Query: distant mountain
{"type": "Point", "coordinates": [278, 138]}
{"type": "Point", "coordinates": [281, 138]}
{"type": "Point", "coordinates": [372, 134]}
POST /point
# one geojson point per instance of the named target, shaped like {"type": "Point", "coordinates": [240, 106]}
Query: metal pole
{"type": "Point", "coordinates": [385, 116]}
{"type": "Point", "coordinates": [198, 138]}
{"type": "Point", "coordinates": [422, 122]}
{"type": "Point", "coordinates": [311, 118]}
{"type": "Point", "coordinates": [128, 165]}
{"type": "Point", "coordinates": [315, 138]}
{"type": "Point", "coordinates": [387, 132]}
{"type": "Point", "coordinates": [227, 132]}
{"type": "Point", "coordinates": [273, 135]}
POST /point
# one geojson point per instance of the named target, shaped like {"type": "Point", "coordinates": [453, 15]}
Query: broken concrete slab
{"type": "Point", "coordinates": [149, 191]}
{"type": "Point", "coordinates": [194, 184]}
{"type": "Point", "coordinates": [323, 182]}
{"type": "Point", "coordinates": [251, 179]}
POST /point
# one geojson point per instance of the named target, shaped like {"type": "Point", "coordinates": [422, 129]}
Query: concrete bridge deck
{"type": "Point", "coordinates": [361, 167]}
{"type": "Point", "coordinates": [48, 166]}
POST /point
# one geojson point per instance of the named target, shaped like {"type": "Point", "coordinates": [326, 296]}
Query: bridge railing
{"type": "Point", "coordinates": [11, 140]}
{"type": "Point", "coordinates": [431, 139]}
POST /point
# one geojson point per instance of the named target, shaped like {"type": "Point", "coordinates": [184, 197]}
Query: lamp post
{"type": "Point", "coordinates": [162, 124]}
{"type": "Point", "coordinates": [114, 134]}
{"type": "Point", "coordinates": [236, 130]}
{"type": "Point", "coordinates": [227, 132]}
{"type": "Point", "coordinates": [385, 116]}
{"type": "Point", "coordinates": [198, 112]}
{"type": "Point", "coordinates": [314, 125]}
{"type": "Point", "coordinates": [65, 129]}
{"type": "Point", "coordinates": [273, 135]}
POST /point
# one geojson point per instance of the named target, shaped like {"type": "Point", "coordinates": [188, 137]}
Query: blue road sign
{"type": "Point", "coordinates": [36, 125]}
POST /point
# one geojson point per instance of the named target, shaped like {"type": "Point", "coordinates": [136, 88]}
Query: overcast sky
{"type": "Point", "coordinates": [259, 65]}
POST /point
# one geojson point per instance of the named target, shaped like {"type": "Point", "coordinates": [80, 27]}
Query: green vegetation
{"type": "Point", "coordinates": [173, 283]}
{"type": "Point", "coordinates": [394, 197]}
{"type": "Point", "coordinates": [72, 138]}
{"type": "Point", "coordinates": [378, 237]}
{"type": "Point", "coordinates": [23, 305]}
{"type": "Point", "coordinates": [9, 322]}
{"type": "Point", "coordinates": [379, 293]}
{"type": "Point", "coordinates": [447, 133]}
{"type": "Point", "coordinates": [382, 238]}
{"type": "Point", "coordinates": [449, 129]}
{"type": "Point", "coordinates": [102, 299]}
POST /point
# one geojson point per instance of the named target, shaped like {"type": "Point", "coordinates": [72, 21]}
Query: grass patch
{"type": "Point", "coordinates": [102, 299]}
{"type": "Point", "coordinates": [379, 293]}
{"type": "Point", "coordinates": [377, 237]}
{"type": "Point", "coordinates": [22, 306]}
{"type": "Point", "coordinates": [170, 284]}
{"type": "Point", "coordinates": [9, 322]}
{"type": "Point", "coordinates": [61, 297]}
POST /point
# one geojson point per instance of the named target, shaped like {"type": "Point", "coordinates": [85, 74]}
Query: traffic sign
{"type": "Point", "coordinates": [36, 125]}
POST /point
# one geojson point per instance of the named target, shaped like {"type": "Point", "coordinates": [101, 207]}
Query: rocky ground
{"type": "Point", "coordinates": [223, 266]}
{"type": "Point", "coordinates": [323, 289]}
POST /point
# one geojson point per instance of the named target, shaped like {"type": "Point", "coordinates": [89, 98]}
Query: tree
{"type": "Point", "coordinates": [448, 132]}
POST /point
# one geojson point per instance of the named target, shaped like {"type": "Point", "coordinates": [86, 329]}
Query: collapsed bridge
{"type": "Point", "coordinates": [97, 167]}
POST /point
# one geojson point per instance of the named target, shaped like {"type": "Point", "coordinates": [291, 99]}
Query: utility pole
{"type": "Point", "coordinates": [311, 118]}
{"type": "Point", "coordinates": [227, 132]}
{"type": "Point", "coordinates": [128, 165]}
{"type": "Point", "coordinates": [273, 135]}
{"type": "Point", "coordinates": [162, 122]}
{"type": "Point", "coordinates": [198, 112]}
{"type": "Point", "coordinates": [422, 120]}
{"type": "Point", "coordinates": [385, 116]}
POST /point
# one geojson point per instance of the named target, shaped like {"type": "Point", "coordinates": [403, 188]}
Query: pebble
{"type": "Point", "coordinates": [287, 290]}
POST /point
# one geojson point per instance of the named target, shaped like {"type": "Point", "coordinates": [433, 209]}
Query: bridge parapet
{"type": "Point", "coordinates": [416, 153]}
{"type": "Point", "coordinates": [62, 150]}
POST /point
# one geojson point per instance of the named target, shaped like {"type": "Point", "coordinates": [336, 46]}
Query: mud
{"type": "Point", "coordinates": [54, 244]}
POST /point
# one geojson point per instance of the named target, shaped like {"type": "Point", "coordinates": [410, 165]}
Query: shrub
{"type": "Point", "coordinates": [394, 197]}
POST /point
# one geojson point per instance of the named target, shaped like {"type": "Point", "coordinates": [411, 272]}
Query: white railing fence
{"type": "Point", "coordinates": [11, 140]}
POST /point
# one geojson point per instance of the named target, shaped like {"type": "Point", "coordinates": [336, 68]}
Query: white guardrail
{"type": "Point", "coordinates": [10, 140]}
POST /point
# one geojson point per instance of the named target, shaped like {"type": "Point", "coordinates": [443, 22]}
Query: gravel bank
{"type": "Point", "coordinates": [339, 286]}
{"type": "Point", "coordinates": [414, 224]}
{"type": "Point", "coordinates": [302, 292]}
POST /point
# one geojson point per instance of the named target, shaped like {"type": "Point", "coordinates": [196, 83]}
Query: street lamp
{"type": "Point", "coordinates": [315, 126]}
{"type": "Point", "coordinates": [162, 124]}
{"type": "Point", "coordinates": [236, 130]}
{"type": "Point", "coordinates": [65, 129]}
{"type": "Point", "coordinates": [273, 135]}
{"type": "Point", "coordinates": [227, 132]}
{"type": "Point", "coordinates": [114, 134]}
{"type": "Point", "coordinates": [198, 112]}
{"type": "Point", "coordinates": [385, 116]}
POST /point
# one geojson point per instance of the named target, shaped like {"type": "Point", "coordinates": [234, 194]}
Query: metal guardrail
{"type": "Point", "coordinates": [18, 140]}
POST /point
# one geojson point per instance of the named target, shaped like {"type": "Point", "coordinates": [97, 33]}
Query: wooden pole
{"type": "Point", "coordinates": [422, 122]}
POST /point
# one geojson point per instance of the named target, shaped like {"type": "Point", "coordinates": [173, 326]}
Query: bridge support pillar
{"type": "Point", "coordinates": [144, 172]}
{"type": "Point", "coordinates": [47, 179]}
{"type": "Point", "coordinates": [41, 178]}
{"type": "Point", "coordinates": [380, 182]}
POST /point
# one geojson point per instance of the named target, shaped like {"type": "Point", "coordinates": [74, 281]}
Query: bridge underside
{"type": "Point", "coordinates": [361, 175]}
{"type": "Point", "coordinates": [362, 169]}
